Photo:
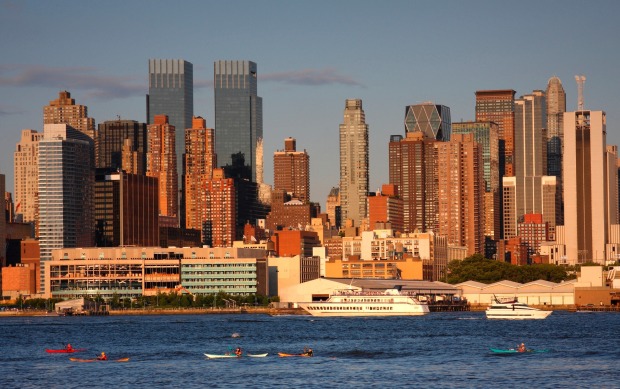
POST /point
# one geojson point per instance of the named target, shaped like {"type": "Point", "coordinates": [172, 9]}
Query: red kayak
{"type": "Point", "coordinates": [65, 351]}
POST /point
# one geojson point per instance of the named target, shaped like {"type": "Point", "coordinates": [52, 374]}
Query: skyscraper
{"type": "Point", "coordinates": [412, 167]}
{"type": "Point", "coordinates": [556, 106]}
{"type": "Point", "coordinates": [291, 171]}
{"type": "Point", "coordinates": [332, 206]}
{"type": "Point", "coordinates": [66, 160]}
{"type": "Point", "coordinates": [433, 120]}
{"type": "Point", "coordinates": [171, 93]}
{"type": "Point", "coordinates": [26, 168]}
{"type": "Point", "coordinates": [498, 106]}
{"type": "Point", "coordinates": [161, 163]}
{"type": "Point", "coordinates": [238, 118]}
{"type": "Point", "coordinates": [460, 188]}
{"type": "Point", "coordinates": [586, 182]}
{"type": "Point", "coordinates": [354, 162]}
{"type": "Point", "coordinates": [63, 110]}
{"type": "Point", "coordinates": [200, 160]}
{"type": "Point", "coordinates": [220, 211]}
{"type": "Point", "coordinates": [111, 139]}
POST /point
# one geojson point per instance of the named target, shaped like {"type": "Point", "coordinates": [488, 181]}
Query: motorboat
{"type": "Point", "coordinates": [512, 309]}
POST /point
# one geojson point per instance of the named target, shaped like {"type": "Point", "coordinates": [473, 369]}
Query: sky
{"type": "Point", "coordinates": [311, 57]}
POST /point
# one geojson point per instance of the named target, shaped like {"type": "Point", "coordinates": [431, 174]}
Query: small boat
{"type": "Point", "coordinates": [98, 360]}
{"type": "Point", "coordinates": [515, 351]}
{"type": "Point", "coordinates": [219, 356]}
{"type": "Point", "coordinates": [512, 309]}
{"type": "Point", "coordinates": [295, 355]}
{"type": "Point", "coordinates": [263, 355]}
{"type": "Point", "coordinates": [64, 350]}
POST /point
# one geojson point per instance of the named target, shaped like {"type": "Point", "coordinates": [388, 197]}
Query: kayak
{"type": "Point", "coordinates": [216, 356]}
{"type": "Point", "coordinates": [65, 351]}
{"type": "Point", "coordinates": [294, 355]}
{"type": "Point", "coordinates": [515, 351]}
{"type": "Point", "coordinates": [98, 360]}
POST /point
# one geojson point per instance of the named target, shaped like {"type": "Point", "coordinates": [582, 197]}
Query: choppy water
{"type": "Point", "coordinates": [440, 350]}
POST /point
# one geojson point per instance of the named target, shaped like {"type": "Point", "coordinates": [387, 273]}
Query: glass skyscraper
{"type": "Point", "coordinates": [238, 119]}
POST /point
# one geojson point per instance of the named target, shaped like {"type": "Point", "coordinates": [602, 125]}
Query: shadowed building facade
{"type": "Point", "coordinates": [63, 110]}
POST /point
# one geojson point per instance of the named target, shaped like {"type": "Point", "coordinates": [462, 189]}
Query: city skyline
{"type": "Point", "coordinates": [398, 59]}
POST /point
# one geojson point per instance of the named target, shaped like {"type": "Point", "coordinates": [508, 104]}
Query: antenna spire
{"type": "Point", "coordinates": [581, 79]}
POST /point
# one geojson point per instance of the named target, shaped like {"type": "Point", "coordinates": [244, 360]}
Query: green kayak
{"type": "Point", "coordinates": [515, 351]}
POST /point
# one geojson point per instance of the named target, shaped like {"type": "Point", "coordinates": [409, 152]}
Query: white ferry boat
{"type": "Point", "coordinates": [512, 309]}
{"type": "Point", "coordinates": [391, 302]}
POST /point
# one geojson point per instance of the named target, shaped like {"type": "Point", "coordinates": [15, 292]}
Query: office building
{"type": "Point", "coordinates": [332, 206]}
{"type": "Point", "coordinates": [460, 190]}
{"type": "Point", "coordinates": [288, 212]}
{"type": "Point", "coordinates": [412, 167]}
{"type": "Point", "coordinates": [556, 106]}
{"type": "Point", "coordinates": [112, 139]}
{"type": "Point", "coordinates": [238, 119]}
{"type": "Point", "coordinates": [291, 171]}
{"type": "Point", "coordinates": [433, 120]}
{"type": "Point", "coordinates": [125, 209]}
{"type": "Point", "coordinates": [219, 225]}
{"type": "Point", "coordinates": [487, 135]}
{"type": "Point", "coordinates": [26, 168]}
{"type": "Point", "coordinates": [586, 186]}
{"type": "Point", "coordinates": [498, 106]}
{"type": "Point", "coordinates": [66, 160]}
{"type": "Point", "coordinates": [162, 164]}
{"type": "Point", "coordinates": [63, 110]}
{"type": "Point", "coordinates": [354, 162]}
{"type": "Point", "coordinates": [200, 160]}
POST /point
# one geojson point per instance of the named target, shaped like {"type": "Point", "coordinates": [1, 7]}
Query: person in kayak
{"type": "Point", "coordinates": [521, 348]}
{"type": "Point", "coordinates": [69, 347]}
{"type": "Point", "coordinates": [307, 351]}
{"type": "Point", "coordinates": [102, 357]}
{"type": "Point", "coordinates": [238, 351]}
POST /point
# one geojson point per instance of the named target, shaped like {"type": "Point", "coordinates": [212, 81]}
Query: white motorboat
{"type": "Point", "coordinates": [512, 309]}
{"type": "Point", "coordinates": [391, 302]}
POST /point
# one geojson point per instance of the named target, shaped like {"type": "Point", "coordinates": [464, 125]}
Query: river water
{"type": "Point", "coordinates": [439, 350]}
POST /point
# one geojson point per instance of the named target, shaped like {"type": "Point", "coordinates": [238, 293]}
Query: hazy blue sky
{"type": "Point", "coordinates": [311, 56]}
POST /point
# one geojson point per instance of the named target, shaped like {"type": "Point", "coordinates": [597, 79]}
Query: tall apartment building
{"type": "Point", "coordinates": [412, 167]}
{"type": "Point", "coordinates": [162, 164]}
{"type": "Point", "coordinates": [487, 135]}
{"type": "Point", "coordinates": [200, 160]}
{"type": "Point", "coordinates": [433, 120]}
{"type": "Point", "coordinates": [556, 106]}
{"type": "Point", "coordinates": [354, 162]}
{"type": "Point", "coordinates": [386, 206]}
{"type": "Point", "coordinates": [111, 142]}
{"type": "Point", "coordinates": [66, 160]}
{"type": "Point", "coordinates": [291, 171]}
{"type": "Point", "coordinates": [238, 118]}
{"type": "Point", "coordinates": [498, 106]}
{"type": "Point", "coordinates": [63, 110]}
{"type": "Point", "coordinates": [220, 217]}
{"type": "Point", "coordinates": [332, 206]}
{"type": "Point", "coordinates": [460, 190]}
{"type": "Point", "coordinates": [125, 209]}
{"type": "Point", "coordinates": [26, 167]}
{"type": "Point", "coordinates": [586, 186]}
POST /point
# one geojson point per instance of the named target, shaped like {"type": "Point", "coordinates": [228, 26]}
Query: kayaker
{"type": "Point", "coordinates": [521, 348]}
{"type": "Point", "coordinates": [309, 352]}
{"type": "Point", "coordinates": [69, 347]}
{"type": "Point", "coordinates": [102, 357]}
{"type": "Point", "coordinates": [238, 351]}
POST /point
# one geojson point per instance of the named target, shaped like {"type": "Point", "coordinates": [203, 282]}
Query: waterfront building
{"type": "Point", "coordinates": [460, 191]}
{"type": "Point", "coordinates": [407, 268]}
{"type": "Point", "coordinates": [412, 167]}
{"type": "Point", "coordinates": [556, 106]}
{"type": "Point", "coordinates": [332, 206]}
{"type": "Point", "coordinates": [162, 164]}
{"type": "Point", "coordinates": [354, 166]}
{"type": "Point", "coordinates": [125, 209]}
{"type": "Point", "coordinates": [63, 110]}
{"type": "Point", "coordinates": [487, 135]}
{"type": "Point", "coordinates": [200, 160]}
{"type": "Point", "coordinates": [292, 270]}
{"type": "Point", "coordinates": [386, 206]}
{"type": "Point", "coordinates": [498, 106]}
{"type": "Point", "coordinates": [26, 168]}
{"type": "Point", "coordinates": [291, 171]}
{"type": "Point", "coordinates": [238, 118]}
{"type": "Point", "coordinates": [288, 243]}
{"type": "Point", "coordinates": [130, 272]}
{"type": "Point", "coordinates": [586, 186]}
{"type": "Point", "coordinates": [66, 160]}
{"type": "Point", "coordinates": [121, 144]}
{"type": "Point", "coordinates": [219, 224]}
{"type": "Point", "coordinates": [433, 120]}
{"type": "Point", "coordinates": [18, 281]}
{"type": "Point", "coordinates": [30, 254]}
